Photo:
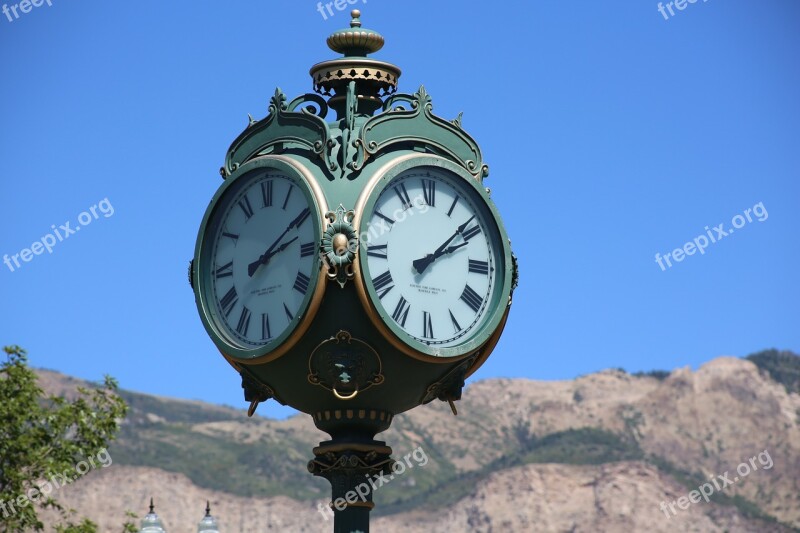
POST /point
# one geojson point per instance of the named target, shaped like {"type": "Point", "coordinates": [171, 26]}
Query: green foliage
{"type": "Point", "coordinates": [583, 446]}
{"type": "Point", "coordinates": [783, 367]}
{"type": "Point", "coordinates": [46, 436]}
{"type": "Point", "coordinates": [660, 375]}
{"type": "Point", "coordinates": [692, 480]}
{"type": "Point", "coordinates": [86, 526]}
{"type": "Point", "coordinates": [258, 468]}
{"type": "Point", "coordinates": [130, 523]}
{"type": "Point", "coordinates": [174, 410]}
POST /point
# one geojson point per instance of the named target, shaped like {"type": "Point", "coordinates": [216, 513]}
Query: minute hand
{"type": "Point", "coordinates": [421, 264]}
{"type": "Point", "coordinates": [252, 267]}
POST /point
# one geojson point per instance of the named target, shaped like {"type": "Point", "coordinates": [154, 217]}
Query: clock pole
{"type": "Point", "coordinates": [353, 267]}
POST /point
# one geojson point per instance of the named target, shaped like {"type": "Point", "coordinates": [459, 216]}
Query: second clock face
{"type": "Point", "coordinates": [262, 250]}
{"type": "Point", "coordinates": [431, 256]}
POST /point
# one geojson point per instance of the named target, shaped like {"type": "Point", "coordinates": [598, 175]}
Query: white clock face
{"type": "Point", "coordinates": [262, 258]}
{"type": "Point", "coordinates": [430, 256]}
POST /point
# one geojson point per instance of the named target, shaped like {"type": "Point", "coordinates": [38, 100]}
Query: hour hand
{"type": "Point", "coordinates": [264, 259]}
{"type": "Point", "coordinates": [421, 264]}
{"type": "Point", "coordinates": [296, 223]}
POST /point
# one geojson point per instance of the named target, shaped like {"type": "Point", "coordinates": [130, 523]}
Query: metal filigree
{"type": "Point", "coordinates": [371, 461]}
{"type": "Point", "coordinates": [255, 392]}
{"type": "Point", "coordinates": [284, 127]}
{"type": "Point", "coordinates": [344, 366]}
{"type": "Point", "coordinates": [339, 245]}
{"type": "Point", "coordinates": [417, 125]}
{"type": "Point", "coordinates": [514, 272]}
{"type": "Point", "coordinates": [449, 388]}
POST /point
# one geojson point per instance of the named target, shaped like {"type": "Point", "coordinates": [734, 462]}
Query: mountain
{"type": "Point", "coordinates": [609, 451]}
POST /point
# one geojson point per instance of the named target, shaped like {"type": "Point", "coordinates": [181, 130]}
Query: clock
{"type": "Point", "coordinates": [434, 265]}
{"type": "Point", "coordinates": [257, 261]}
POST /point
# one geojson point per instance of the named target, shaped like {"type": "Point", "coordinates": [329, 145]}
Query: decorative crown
{"type": "Point", "coordinates": [374, 79]}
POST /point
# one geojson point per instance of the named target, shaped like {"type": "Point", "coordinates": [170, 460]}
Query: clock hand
{"type": "Point", "coordinates": [281, 248]}
{"type": "Point", "coordinates": [421, 264]}
{"type": "Point", "coordinates": [252, 267]}
{"type": "Point", "coordinates": [266, 257]}
{"type": "Point", "coordinates": [452, 249]}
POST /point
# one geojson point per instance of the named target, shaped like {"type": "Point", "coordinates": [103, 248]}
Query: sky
{"type": "Point", "coordinates": [613, 133]}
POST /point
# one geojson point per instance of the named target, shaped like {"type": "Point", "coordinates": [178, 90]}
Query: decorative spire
{"type": "Point", "coordinates": [373, 79]}
{"type": "Point", "coordinates": [152, 523]}
{"type": "Point", "coordinates": [355, 41]}
{"type": "Point", "coordinates": [208, 524]}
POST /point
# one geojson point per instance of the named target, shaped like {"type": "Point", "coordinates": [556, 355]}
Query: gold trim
{"type": "Point", "coordinates": [376, 378]}
{"type": "Point", "coordinates": [361, 289]}
{"type": "Point", "coordinates": [361, 414]}
{"type": "Point", "coordinates": [342, 397]}
{"type": "Point", "coordinates": [490, 345]}
{"type": "Point", "coordinates": [368, 505]}
{"type": "Point", "coordinates": [316, 299]}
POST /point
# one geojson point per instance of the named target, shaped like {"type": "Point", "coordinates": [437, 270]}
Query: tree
{"type": "Point", "coordinates": [48, 442]}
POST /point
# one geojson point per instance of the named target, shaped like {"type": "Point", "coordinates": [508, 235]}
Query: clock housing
{"type": "Point", "coordinates": [257, 267]}
{"type": "Point", "coordinates": [434, 269]}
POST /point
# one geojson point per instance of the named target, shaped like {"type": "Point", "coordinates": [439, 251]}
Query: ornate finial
{"type": "Point", "coordinates": [208, 508]}
{"type": "Point", "coordinates": [152, 507]}
{"type": "Point", "coordinates": [374, 79]}
{"type": "Point", "coordinates": [355, 41]}
{"type": "Point", "coordinates": [356, 22]}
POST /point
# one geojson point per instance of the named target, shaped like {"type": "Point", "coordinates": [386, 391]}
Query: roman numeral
{"type": "Point", "coordinates": [478, 267]}
{"type": "Point", "coordinates": [301, 283]}
{"type": "Point", "coordinates": [244, 203]}
{"type": "Point", "coordinates": [307, 249]}
{"type": "Point", "coordinates": [266, 193]}
{"type": "Point", "coordinates": [232, 236]}
{"type": "Point", "coordinates": [266, 334]}
{"type": "Point", "coordinates": [225, 270]}
{"type": "Point", "coordinates": [381, 282]}
{"type": "Point", "coordinates": [452, 206]}
{"type": "Point", "coordinates": [244, 322]}
{"type": "Point", "coordinates": [384, 217]}
{"type": "Point", "coordinates": [379, 250]}
{"type": "Point", "coordinates": [471, 232]}
{"type": "Point", "coordinates": [429, 192]}
{"type": "Point", "coordinates": [471, 298]}
{"type": "Point", "coordinates": [427, 326]}
{"type": "Point", "coordinates": [401, 312]}
{"type": "Point", "coordinates": [454, 321]}
{"type": "Point", "coordinates": [289, 314]}
{"type": "Point", "coordinates": [288, 194]}
{"type": "Point", "coordinates": [228, 302]}
{"type": "Point", "coordinates": [402, 193]}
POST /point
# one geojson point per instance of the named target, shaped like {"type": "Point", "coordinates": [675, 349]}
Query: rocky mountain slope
{"type": "Point", "coordinates": [604, 452]}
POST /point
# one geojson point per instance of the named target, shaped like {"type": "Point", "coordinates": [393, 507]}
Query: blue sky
{"type": "Point", "coordinates": [612, 134]}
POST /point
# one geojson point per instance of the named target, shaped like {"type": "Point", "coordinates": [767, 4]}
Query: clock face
{"type": "Point", "coordinates": [432, 257]}
{"type": "Point", "coordinates": [260, 260]}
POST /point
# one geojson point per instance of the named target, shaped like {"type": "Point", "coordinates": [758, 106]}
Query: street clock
{"type": "Point", "coordinates": [353, 267]}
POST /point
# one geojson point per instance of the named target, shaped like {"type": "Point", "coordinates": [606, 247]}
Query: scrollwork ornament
{"type": "Point", "coordinates": [339, 245]}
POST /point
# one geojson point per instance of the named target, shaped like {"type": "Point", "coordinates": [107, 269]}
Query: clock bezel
{"type": "Point", "coordinates": [203, 287]}
{"type": "Point", "coordinates": [496, 309]}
